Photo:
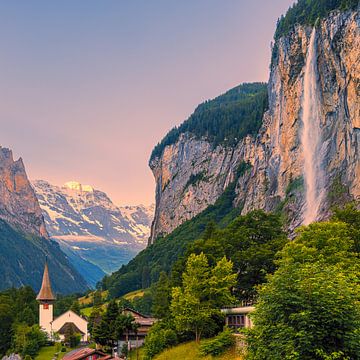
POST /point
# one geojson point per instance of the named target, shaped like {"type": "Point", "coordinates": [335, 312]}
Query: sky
{"type": "Point", "coordinates": [88, 88]}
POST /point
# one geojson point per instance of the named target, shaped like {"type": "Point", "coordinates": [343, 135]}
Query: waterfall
{"type": "Point", "coordinates": [311, 137]}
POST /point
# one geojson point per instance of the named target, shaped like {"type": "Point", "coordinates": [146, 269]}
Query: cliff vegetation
{"type": "Point", "coordinates": [225, 119]}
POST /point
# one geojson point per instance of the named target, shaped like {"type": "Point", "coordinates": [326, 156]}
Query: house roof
{"type": "Point", "coordinates": [70, 326]}
{"type": "Point", "coordinates": [82, 353]}
{"type": "Point", "coordinates": [238, 310]}
{"type": "Point", "coordinates": [45, 293]}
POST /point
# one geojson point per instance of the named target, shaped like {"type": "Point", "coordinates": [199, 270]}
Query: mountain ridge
{"type": "Point", "coordinates": [97, 235]}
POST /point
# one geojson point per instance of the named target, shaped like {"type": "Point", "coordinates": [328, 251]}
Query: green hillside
{"type": "Point", "coordinates": [146, 267]}
{"type": "Point", "coordinates": [22, 259]}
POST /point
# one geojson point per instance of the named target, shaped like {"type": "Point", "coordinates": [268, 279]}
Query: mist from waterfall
{"type": "Point", "coordinates": [311, 137]}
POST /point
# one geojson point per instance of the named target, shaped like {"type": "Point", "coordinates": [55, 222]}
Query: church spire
{"type": "Point", "coordinates": [45, 293]}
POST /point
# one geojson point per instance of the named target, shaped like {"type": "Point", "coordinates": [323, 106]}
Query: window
{"type": "Point", "coordinates": [46, 306]}
{"type": "Point", "coordinates": [236, 321]}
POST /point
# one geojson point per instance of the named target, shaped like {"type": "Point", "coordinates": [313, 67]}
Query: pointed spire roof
{"type": "Point", "coordinates": [45, 292]}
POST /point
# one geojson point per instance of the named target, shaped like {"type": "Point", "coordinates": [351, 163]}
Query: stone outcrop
{"type": "Point", "coordinates": [191, 174]}
{"type": "Point", "coordinates": [18, 203]}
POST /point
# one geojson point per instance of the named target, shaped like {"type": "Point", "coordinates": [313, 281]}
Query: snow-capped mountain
{"type": "Point", "coordinates": [90, 227]}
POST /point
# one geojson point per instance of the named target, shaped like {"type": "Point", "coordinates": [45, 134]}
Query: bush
{"type": "Point", "coordinates": [218, 344]}
{"type": "Point", "coordinates": [159, 339]}
{"type": "Point", "coordinates": [63, 349]}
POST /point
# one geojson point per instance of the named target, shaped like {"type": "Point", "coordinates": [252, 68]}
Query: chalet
{"type": "Point", "coordinates": [133, 339]}
{"type": "Point", "coordinates": [238, 317]}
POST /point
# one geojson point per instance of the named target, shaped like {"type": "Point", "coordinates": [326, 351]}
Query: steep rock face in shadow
{"type": "Point", "coordinates": [24, 241]}
{"type": "Point", "coordinates": [191, 173]}
{"type": "Point", "coordinates": [18, 202]}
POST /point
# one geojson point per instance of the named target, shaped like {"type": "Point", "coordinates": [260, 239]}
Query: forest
{"type": "Point", "coordinates": [224, 120]}
{"type": "Point", "coordinates": [306, 12]}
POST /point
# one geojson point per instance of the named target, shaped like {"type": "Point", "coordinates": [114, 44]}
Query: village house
{"type": "Point", "coordinates": [133, 339]}
{"type": "Point", "coordinates": [238, 317]}
{"type": "Point", "coordinates": [88, 354]}
{"type": "Point", "coordinates": [63, 323]}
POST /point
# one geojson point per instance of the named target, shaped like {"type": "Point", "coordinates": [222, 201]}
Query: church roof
{"type": "Point", "coordinates": [70, 327]}
{"type": "Point", "coordinates": [45, 292]}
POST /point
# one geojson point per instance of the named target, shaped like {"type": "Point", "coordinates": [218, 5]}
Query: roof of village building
{"type": "Point", "coordinates": [83, 353]}
{"type": "Point", "coordinates": [70, 327]}
{"type": "Point", "coordinates": [45, 293]}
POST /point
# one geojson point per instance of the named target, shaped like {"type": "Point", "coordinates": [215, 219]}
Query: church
{"type": "Point", "coordinates": [64, 322]}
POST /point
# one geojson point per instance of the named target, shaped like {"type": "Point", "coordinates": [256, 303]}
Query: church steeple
{"type": "Point", "coordinates": [45, 294]}
{"type": "Point", "coordinates": [46, 299]}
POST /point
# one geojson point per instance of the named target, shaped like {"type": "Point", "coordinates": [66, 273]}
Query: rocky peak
{"type": "Point", "coordinates": [18, 205]}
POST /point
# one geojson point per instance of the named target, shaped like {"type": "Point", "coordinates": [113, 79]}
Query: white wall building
{"type": "Point", "coordinates": [68, 320]}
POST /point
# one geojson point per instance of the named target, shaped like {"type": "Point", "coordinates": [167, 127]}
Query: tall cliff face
{"type": "Point", "coordinates": [191, 173]}
{"type": "Point", "coordinates": [18, 204]}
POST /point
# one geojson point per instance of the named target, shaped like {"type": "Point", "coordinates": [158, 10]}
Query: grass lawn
{"type": "Point", "coordinates": [188, 351]}
{"type": "Point", "coordinates": [134, 294]}
{"type": "Point", "coordinates": [47, 353]}
{"type": "Point", "coordinates": [86, 311]}
{"type": "Point", "coordinates": [88, 300]}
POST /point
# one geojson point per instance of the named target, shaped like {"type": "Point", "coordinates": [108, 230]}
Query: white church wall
{"type": "Point", "coordinates": [70, 316]}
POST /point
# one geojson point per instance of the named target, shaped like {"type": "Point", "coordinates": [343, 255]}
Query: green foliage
{"type": "Point", "coordinates": [306, 12]}
{"type": "Point", "coordinates": [162, 255]}
{"type": "Point", "coordinates": [159, 338]}
{"type": "Point", "coordinates": [161, 297]}
{"type": "Point", "coordinates": [251, 242]}
{"type": "Point", "coordinates": [309, 309]}
{"type": "Point", "coordinates": [350, 216]}
{"type": "Point", "coordinates": [28, 340]}
{"type": "Point", "coordinates": [107, 327]}
{"type": "Point", "coordinates": [65, 303]}
{"type": "Point", "coordinates": [218, 345]}
{"type": "Point", "coordinates": [16, 306]}
{"type": "Point", "coordinates": [225, 119]}
{"type": "Point", "coordinates": [204, 290]}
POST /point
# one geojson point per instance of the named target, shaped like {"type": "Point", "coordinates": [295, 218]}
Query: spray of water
{"type": "Point", "coordinates": [311, 137]}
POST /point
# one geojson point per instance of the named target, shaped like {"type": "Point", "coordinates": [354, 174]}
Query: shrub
{"type": "Point", "coordinates": [63, 349]}
{"type": "Point", "coordinates": [218, 344]}
{"type": "Point", "coordinates": [159, 339]}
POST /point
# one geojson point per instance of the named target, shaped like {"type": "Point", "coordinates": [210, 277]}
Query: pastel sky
{"type": "Point", "coordinates": [89, 87]}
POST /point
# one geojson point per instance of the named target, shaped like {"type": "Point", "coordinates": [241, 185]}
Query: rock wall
{"type": "Point", "coordinates": [191, 174]}
{"type": "Point", "coordinates": [18, 202]}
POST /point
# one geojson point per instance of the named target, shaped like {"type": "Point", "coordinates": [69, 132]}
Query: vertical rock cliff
{"type": "Point", "coordinates": [191, 172]}
{"type": "Point", "coordinates": [18, 205]}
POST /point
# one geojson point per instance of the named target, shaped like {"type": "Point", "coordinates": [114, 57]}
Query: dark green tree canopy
{"type": "Point", "coordinates": [225, 119]}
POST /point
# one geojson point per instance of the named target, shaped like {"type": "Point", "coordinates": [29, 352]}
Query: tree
{"type": "Point", "coordinates": [161, 297]}
{"type": "Point", "coordinates": [203, 290]}
{"type": "Point", "coordinates": [97, 298]}
{"type": "Point", "coordinates": [124, 324]}
{"type": "Point", "coordinates": [75, 307]}
{"type": "Point", "coordinates": [6, 320]}
{"type": "Point", "coordinates": [104, 333]}
{"type": "Point", "coordinates": [28, 339]}
{"type": "Point", "coordinates": [309, 309]}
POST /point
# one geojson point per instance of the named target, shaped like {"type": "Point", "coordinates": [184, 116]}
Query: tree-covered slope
{"type": "Point", "coordinates": [146, 267]}
{"type": "Point", "coordinates": [22, 259]}
{"type": "Point", "coordinates": [306, 12]}
{"type": "Point", "coordinates": [225, 119]}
